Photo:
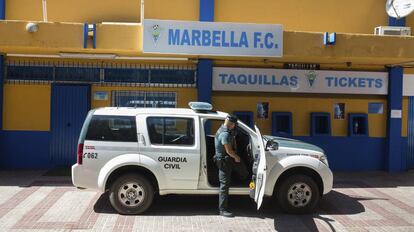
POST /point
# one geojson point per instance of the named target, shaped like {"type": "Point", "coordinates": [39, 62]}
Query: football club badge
{"type": "Point", "coordinates": [155, 32]}
{"type": "Point", "coordinates": [311, 75]}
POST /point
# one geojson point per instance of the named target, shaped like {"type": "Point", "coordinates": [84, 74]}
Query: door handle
{"type": "Point", "coordinates": [205, 169]}
{"type": "Point", "coordinates": [141, 139]}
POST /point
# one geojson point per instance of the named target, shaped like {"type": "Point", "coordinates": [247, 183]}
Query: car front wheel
{"type": "Point", "coordinates": [131, 194]}
{"type": "Point", "coordinates": [298, 194]}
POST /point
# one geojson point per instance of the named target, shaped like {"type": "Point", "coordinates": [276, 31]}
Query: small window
{"type": "Point", "coordinates": [112, 128]}
{"type": "Point", "coordinates": [144, 99]}
{"type": "Point", "coordinates": [77, 74]}
{"type": "Point", "coordinates": [29, 73]}
{"type": "Point", "coordinates": [282, 123]}
{"type": "Point", "coordinates": [320, 124]}
{"type": "Point", "coordinates": [357, 124]}
{"type": "Point", "coordinates": [171, 131]}
{"type": "Point", "coordinates": [245, 116]}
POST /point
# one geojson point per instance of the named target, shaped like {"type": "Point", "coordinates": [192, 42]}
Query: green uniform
{"type": "Point", "coordinates": [226, 164]}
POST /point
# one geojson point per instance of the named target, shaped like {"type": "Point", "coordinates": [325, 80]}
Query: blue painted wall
{"type": "Point", "coordinates": [351, 153]}
{"type": "Point", "coordinates": [24, 150]}
{"type": "Point", "coordinates": [405, 152]}
{"type": "Point", "coordinates": [394, 125]}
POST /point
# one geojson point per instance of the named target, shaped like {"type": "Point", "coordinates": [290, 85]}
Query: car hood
{"type": "Point", "coordinates": [293, 143]}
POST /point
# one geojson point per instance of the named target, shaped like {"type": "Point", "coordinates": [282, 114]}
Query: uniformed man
{"type": "Point", "coordinates": [227, 160]}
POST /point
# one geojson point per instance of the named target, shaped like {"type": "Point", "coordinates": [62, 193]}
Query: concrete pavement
{"type": "Point", "coordinates": [374, 201]}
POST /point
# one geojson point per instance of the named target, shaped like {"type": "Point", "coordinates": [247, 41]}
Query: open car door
{"type": "Point", "coordinates": [260, 181]}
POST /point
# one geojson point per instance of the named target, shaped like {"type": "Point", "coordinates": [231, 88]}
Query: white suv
{"type": "Point", "coordinates": [135, 153]}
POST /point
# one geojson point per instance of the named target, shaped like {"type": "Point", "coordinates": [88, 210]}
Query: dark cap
{"type": "Point", "coordinates": [232, 118]}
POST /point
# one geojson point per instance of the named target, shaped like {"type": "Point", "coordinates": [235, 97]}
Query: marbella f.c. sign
{"type": "Point", "coordinates": [211, 38]}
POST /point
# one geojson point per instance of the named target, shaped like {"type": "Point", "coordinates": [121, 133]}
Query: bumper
{"type": "Point", "coordinates": [327, 178]}
{"type": "Point", "coordinates": [84, 178]}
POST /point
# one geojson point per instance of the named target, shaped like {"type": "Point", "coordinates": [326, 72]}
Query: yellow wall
{"type": "Point", "coordinates": [302, 15]}
{"type": "Point", "coordinates": [30, 10]}
{"type": "Point", "coordinates": [92, 11]}
{"type": "Point", "coordinates": [306, 15]}
{"type": "Point", "coordinates": [26, 107]}
{"type": "Point", "coordinates": [409, 22]}
{"type": "Point", "coordinates": [172, 9]}
{"type": "Point", "coordinates": [184, 95]}
{"type": "Point", "coordinates": [96, 11]}
{"type": "Point", "coordinates": [301, 106]}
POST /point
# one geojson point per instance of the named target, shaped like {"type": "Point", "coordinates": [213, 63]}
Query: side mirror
{"type": "Point", "coordinates": [272, 145]}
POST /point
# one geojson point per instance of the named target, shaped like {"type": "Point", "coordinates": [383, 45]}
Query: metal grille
{"type": "Point", "coordinates": [410, 150]}
{"type": "Point", "coordinates": [144, 99]}
{"type": "Point", "coordinates": [107, 74]}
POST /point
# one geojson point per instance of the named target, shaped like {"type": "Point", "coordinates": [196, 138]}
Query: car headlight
{"type": "Point", "coordinates": [321, 158]}
{"type": "Point", "coordinates": [324, 160]}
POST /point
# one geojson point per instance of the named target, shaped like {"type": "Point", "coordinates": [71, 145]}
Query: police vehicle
{"type": "Point", "coordinates": [137, 153]}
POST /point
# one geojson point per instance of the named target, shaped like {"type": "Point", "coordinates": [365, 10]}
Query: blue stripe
{"type": "Point", "coordinates": [94, 35]}
{"type": "Point", "coordinates": [207, 10]}
{"type": "Point", "coordinates": [85, 35]}
{"type": "Point", "coordinates": [205, 66]}
{"type": "Point", "coordinates": [2, 9]}
{"type": "Point", "coordinates": [395, 155]}
{"type": "Point", "coordinates": [204, 80]}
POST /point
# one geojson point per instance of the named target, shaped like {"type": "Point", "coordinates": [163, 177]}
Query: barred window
{"type": "Point", "coordinates": [144, 99]}
{"type": "Point", "coordinates": [39, 73]}
{"type": "Point", "coordinates": [77, 74]}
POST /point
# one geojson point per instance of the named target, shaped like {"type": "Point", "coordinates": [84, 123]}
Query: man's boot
{"type": "Point", "coordinates": [226, 213]}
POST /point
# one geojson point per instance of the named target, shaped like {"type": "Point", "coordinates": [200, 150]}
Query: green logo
{"type": "Point", "coordinates": [155, 32]}
{"type": "Point", "coordinates": [311, 75]}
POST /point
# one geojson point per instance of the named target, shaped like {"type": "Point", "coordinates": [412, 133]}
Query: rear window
{"type": "Point", "coordinates": [112, 128]}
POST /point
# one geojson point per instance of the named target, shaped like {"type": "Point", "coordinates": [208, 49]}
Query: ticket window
{"type": "Point", "coordinates": [281, 123]}
{"type": "Point", "coordinates": [245, 116]}
{"type": "Point", "coordinates": [357, 124]}
{"type": "Point", "coordinates": [320, 124]}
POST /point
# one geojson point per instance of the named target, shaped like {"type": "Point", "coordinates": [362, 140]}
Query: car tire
{"type": "Point", "coordinates": [297, 194]}
{"type": "Point", "coordinates": [131, 194]}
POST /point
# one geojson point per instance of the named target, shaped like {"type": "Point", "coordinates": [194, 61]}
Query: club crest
{"type": "Point", "coordinates": [155, 33]}
{"type": "Point", "coordinates": [311, 76]}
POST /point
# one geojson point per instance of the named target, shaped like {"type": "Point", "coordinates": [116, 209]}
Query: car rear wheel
{"type": "Point", "coordinates": [298, 194]}
{"type": "Point", "coordinates": [131, 194]}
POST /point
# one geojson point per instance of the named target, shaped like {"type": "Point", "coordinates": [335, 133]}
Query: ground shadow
{"type": "Point", "coordinates": [334, 203]}
{"type": "Point", "coordinates": [30, 178]}
{"type": "Point", "coordinates": [373, 179]}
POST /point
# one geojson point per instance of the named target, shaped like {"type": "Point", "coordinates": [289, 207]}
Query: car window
{"type": "Point", "coordinates": [112, 128]}
{"type": "Point", "coordinates": [170, 130]}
